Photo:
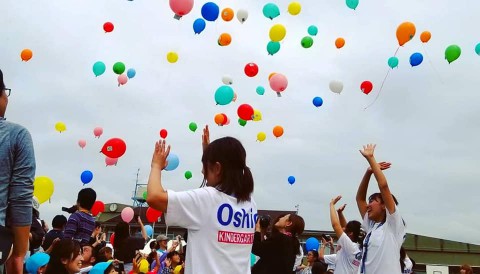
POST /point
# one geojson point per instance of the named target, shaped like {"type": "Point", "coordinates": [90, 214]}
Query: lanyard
{"type": "Point", "coordinates": [365, 247]}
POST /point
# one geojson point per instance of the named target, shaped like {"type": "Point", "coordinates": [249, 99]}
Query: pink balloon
{"type": "Point", "coordinates": [111, 161]}
{"type": "Point", "coordinates": [278, 82]}
{"type": "Point", "coordinates": [122, 79]}
{"type": "Point", "coordinates": [181, 7]}
{"type": "Point", "coordinates": [127, 214]}
{"type": "Point", "coordinates": [98, 131]}
{"type": "Point", "coordinates": [82, 143]}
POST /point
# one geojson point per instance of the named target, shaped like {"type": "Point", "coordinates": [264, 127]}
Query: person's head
{"type": "Point", "coordinates": [122, 231]}
{"type": "Point", "coordinates": [319, 268]}
{"type": "Point", "coordinates": [174, 256]}
{"type": "Point", "coordinates": [292, 223]}
{"type": "Point", "coordinates": [66, 257]}
{"type": "Point", "coordinates": [162, 242]}
{"type": "Point", "coordinates": [224, 167]}
{"type": "Point", "coordinates": [104, 254]}
{"type": "Point", "coordinates": [89, 256]}
{"type": "Point", "coordinates": [312, 256]}
{"type": "Point", "coordinates": [4, 93]}
{"type": "Point", "coordinates": [98, 228]}
{"type": "Point", "coordinates": [376, 208]}
{"type": "Point", "coordinates": [466, 269]}
{"type": "Point", "coordinates": [59, 222]}
{"type": "Point", "coordinates": [105, 268]}
{"type": "Point", "coordinates": [86, 198]}
{"type": "Point", "coordinates": [37, 263]}
{"type": "Point", "coordinates": [353, 231]}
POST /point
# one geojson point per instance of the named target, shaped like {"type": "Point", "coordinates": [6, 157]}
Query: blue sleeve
{"type": "Point", "coordinates": [21, 185]}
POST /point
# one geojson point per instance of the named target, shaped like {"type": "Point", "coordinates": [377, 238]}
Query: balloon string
{"type": "Point", "coordinates": [396, 52]}
{"type": "Point", "coordinates": [381, 87]}
{"type": "Point", "coordinates": [431, 64]}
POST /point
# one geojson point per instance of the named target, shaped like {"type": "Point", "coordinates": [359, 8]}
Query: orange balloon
{"type": "Point", "coordinates": [271, 75]}
{"type": "Point", "coordinates": [425, 36]}
{"type": "Point", "coordinates": [277, 131]}
{"type": "Point", "coordinates": [220, 119]}
{"type": "Point", "coordinates": [227, 14]}
{"type": "Point", "coordinates": [339, 43]}
{"type": "Point", "coordinates": [26, 55]}
{"type": "Point", "coordinates": [405, 32]}
{"type": "Point", "coordinates": [225, 39]}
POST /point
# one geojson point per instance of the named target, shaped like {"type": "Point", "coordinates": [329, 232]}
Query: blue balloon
{"type": "Point", "coordinates": [224, 95]}
{"type": "Point", "coordinates": [131, 73]}
{"type": "Point", "coordinates": [86, 176]}
{"type": "Point", "coordinates": [37, 260]}
{"type": "Point", "coordinates": [210, 11]}
{"type": "Point", "coordinates": [317, 101]}
{"type": "Point", "coordinates": [149, 230]}
{"type": "Point", "coordinates": [253, 259]}
{"type": "Point", "coordinates": [173, 162]}
{"type": "Point", "coordinates": [199, 25]}
{"type": "Point", "coordinates": [416, 59]}
{"type": "Point", "coordinates": [477, 49]}
{"type": "Point", "coordinates": [291, 180]}
{"type": "Point", "coordinates": [312, 244]}
{"type": "Point", "coordinates": [260, 90]}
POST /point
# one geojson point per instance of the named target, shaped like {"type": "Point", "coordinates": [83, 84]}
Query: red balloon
{"type": "Point", "coordinates": [114, 148]}
{"type": "Point", "coordinates": [366, 87]}
{"type": "Point", "coordinates": [97, 208]}
{"type": "Point", "coordinates": [245, 112]}
{"type": "Point", "coordinates": [251, 69]}
{"type": "Point", "coordinates": [112, 238]}
{"type": "Point", "coordinates": [163, 133]}
{"type": "Point", "coordinates": [108, 27]}
{"type": "Point", "coordinates": [153, 215]}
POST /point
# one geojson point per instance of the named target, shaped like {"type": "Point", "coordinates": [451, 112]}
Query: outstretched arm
{"type": "Point", "coordinates": [343, 221]}
{"type": "Point", "coordinates": [362, 193]}
{"type": "Point", "coordinates": [157, 196]}
{"type": "Point", "coordinates": [387, 197]}
{"type": "Point", "coordinates": [334, 217]}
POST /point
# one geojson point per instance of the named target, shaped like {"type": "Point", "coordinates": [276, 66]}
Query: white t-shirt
{"type": "Point", "coordinates": [330, 260]}
{"type": "Point", "coordinates": [348, 258]}
{"type": "Point", "coordinates": [383, 249]}
{"type": "Point", "coordinates": [408, 266]}
{"type": "Point", "coordinates": [220, 231]}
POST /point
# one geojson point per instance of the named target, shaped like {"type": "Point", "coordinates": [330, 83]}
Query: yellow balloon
{"type": "Point", "coordinates": [277, 33]}
{"type": "Point", "coordinates": [172, 57]}
{"type": "Point", "coordinates": [257, 115]}
{"type": "Point", "coordinates": [43, 188]}
{"type": "Point", "coordinates": [143, 266]}
{"type": "Point", "coordinates": [261, 136]}
{"type": "Point", "coordinates": [60, 127]}
{"type": "Point", "coordinates": [294, 8]}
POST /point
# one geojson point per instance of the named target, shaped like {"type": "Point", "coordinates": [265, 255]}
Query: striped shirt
{"type": "Point", "coordinates": [80, 226]}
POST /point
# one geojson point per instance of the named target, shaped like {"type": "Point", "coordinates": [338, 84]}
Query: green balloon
{"type": "Point", "coordinates": [273, 47]}
{"type": "Point", "coordinates": [312, 30]}
{"type": "Point", "coordinates": [224, 95]}
{"type": "Point", "coordinates": [393, 62]}
{"type": "Point", "coordinates": [119, 68]}
{"type": "Point", "coordinates": [260, 90]}
{"type": "Point", "coordinates": [192, 126]}
{"type": "Point", "coordinates": [99, 68]}
{"type": "Point", "coordinates": [271, 10]}
{"type": "Point", "coordinates": [307, 42]}
{"type": "Point", "coordinates": [452, 53]}
{"type": "Point", "coordinates": [352, 4]}
{"type": "Point", "coordinates": [188, 174]}
{"type": "Point", "coordinates": [477, 49]}
{"type": "Point", "coordinates": [242, 122]}
{"type": "Point", "coordinates": [144, 195]}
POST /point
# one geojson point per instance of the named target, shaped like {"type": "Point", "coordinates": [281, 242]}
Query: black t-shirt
{"type": "Point", "coordinates": [126, 250]}
{"type": "Point", "coordinates": [50, 236]}
{"type": "Point", "coordinates": [277, 254]}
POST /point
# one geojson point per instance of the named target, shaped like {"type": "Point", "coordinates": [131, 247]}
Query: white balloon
{"type": "Point", "coordinates": [227, 80]}
{"type": "Point", "coordinates": [242, 15]}
{"type": "Point", "coordinates": [336, 86]}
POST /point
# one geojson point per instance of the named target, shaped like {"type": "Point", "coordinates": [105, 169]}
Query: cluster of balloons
{"type": "Point", "coordinates": [119, 68]}
{"type": "Point", "coordinates": [26, 55]}
{"type": "Point", "coordinates": [277, 132]}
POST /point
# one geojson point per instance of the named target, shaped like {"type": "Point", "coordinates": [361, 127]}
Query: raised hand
{"type": "Point", "coordinates": [335, 200]}
{"type": "Point", "coordinates": [368, 150]}
{"type": "Point", "coordinates": [205, 138]}
{"type": "Point", "coordinates": [383, 166]}
{"type": "Point", "coordinates": [160, 154]}
{"type": "Point", "coordinates": [340, 209]}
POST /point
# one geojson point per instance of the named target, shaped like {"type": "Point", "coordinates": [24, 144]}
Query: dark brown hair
{"type": "Point", "coordinates": [64, 249]}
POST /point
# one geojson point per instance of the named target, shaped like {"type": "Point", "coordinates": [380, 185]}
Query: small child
{"type": "Point", "coordinates": [81, 223]}
{"type": "Point", "coordinates": [37, 263]}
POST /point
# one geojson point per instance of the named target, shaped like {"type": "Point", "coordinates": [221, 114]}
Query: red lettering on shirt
{"type": "Point", "coordinates": [231, 237]}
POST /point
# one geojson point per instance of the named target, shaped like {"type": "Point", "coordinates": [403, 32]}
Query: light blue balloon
{"type": "Point", "coordinates": [131, 73]}
{"type": "Point", "coordinates": [271, 10]}
{"type": "Point", "coordinates": [224, 95]}
{"type": "Point", "coordinates": [173, 162]}
{"type": "Point", "coordinates": [312, 244]}
{"type": "Point", "coordinates": [477, 49]}
{"type": "Point", "coordinates": [416, 59]}
{"type": "Point", "coordinates": [352, 4]}
{"type": "Point", "coordinates": [86, 176]}
{"type": "Point", "coordinates": [260, 90]}
{"type": "Point", "coordinates": [199, 25]}
{"type": "Point", "coordinates": [149, 230]}
{"type": "Point", "coordinates": [393, 62]}
{"type": "Point", "coordinates": [210, 11]}
{"type": "Point", "coordinates": [99, 68]}
{"type": "Point", "coordinates": [312, 30]}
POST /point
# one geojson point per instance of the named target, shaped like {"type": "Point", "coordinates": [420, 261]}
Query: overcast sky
{"type": "Point", "coordinates": [425, 120]}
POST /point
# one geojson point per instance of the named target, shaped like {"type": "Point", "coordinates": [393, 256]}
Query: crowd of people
{"type": "Point", "coordinates": [221, 219]}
